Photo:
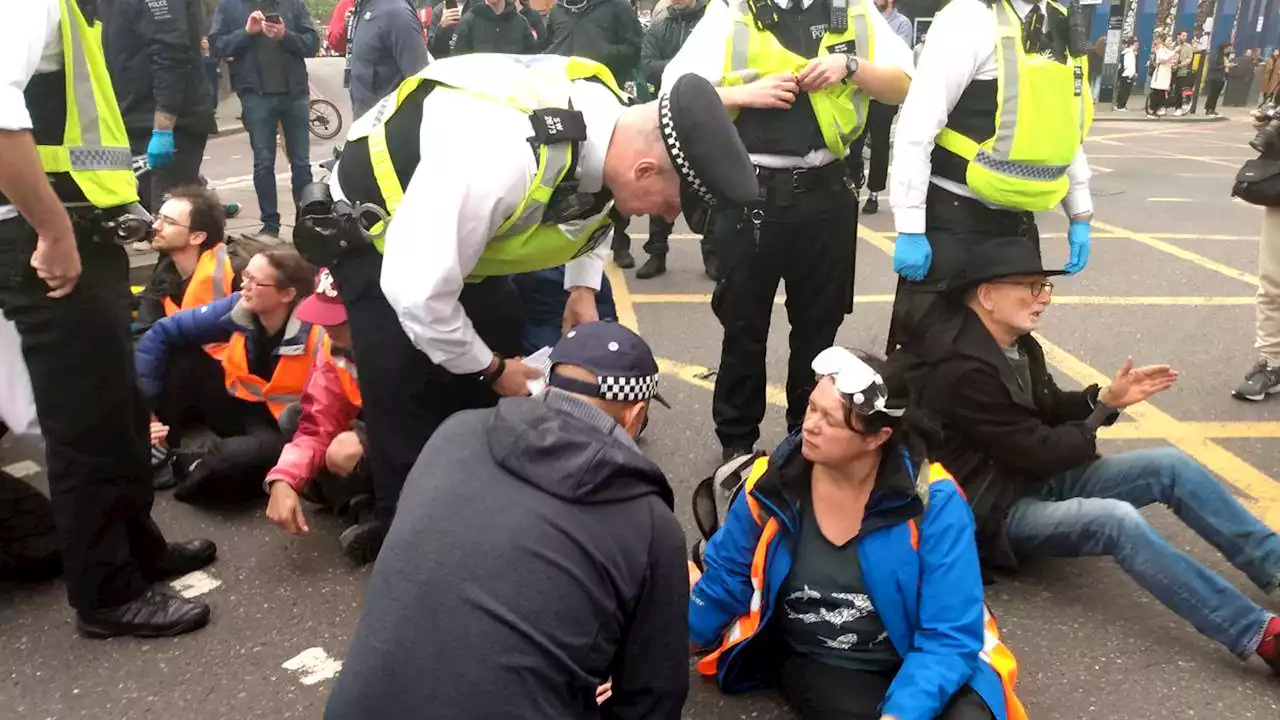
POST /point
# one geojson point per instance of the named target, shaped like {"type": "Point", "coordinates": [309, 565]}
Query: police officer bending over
{"type": "Point", "coordinates": [434, 325]}
{"type": "Point", "coordinates": [990, 133]}
{"type": "Point", "coordinates": [65, 175]}
{"type": "Point", "coordinates": [818, 64]}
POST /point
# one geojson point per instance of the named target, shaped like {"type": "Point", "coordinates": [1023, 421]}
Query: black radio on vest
{"type": "Point", "coordinates": [839, 16]}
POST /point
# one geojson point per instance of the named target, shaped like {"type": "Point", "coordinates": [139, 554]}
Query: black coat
{"type": "Point", "coordinates": [665, 38]}
{"type": "Point", "coordinates": [1000, 443]}
{"type": "Point", "coordinates": [483, 30]}
{"type": "Point", "coordinates": [606, 31]}
{"type": "Point", "coordinates": [153, 54]}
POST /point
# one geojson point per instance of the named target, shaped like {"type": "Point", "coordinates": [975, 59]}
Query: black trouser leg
{"type": "Point", "coordinates": [188, 154]}
{"type": "Point", "coordinates": [236, 464]}
{"type": "Point", "coordinates": [810, 244]}
{"type": "Point", "coordinates": [954, 224]}
{"type": "Point", "coordinates": [194, 392]}
{"type": "Point", "coordinates": [406, 396]}
{"type": "Point", "coordinates": [1215, 90]}
{"type": "Point", "coordinates": [658, 242]}
{"type": "Point", "coordinates": [621, 240]}
{"type": "Point", "coordinates": [91, 414]}
{"type": "Point", "coordinates": [1123, 87]}
{"type": "Point", "coordinates": [879, 123]}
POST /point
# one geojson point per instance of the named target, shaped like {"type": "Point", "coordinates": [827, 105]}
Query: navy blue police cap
{"type": "Point", "coordinates": [620, 359]}
{"type": "Point", "coordinates": [704, 146]}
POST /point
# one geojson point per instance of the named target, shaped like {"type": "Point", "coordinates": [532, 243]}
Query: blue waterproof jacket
{"type": "Point", "coordinates": [920, 565]}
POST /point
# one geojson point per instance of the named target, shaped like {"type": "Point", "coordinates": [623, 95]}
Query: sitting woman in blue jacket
{"type": "Point", "coordinates": [266, 356]}
{"type": "Point", "coordinates": [847, 573]}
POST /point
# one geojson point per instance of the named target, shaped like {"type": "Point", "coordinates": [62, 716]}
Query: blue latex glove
{"type": "Point", "coordinates": [160, 149]}
{"type": "Point", "coordinates": [912, 256]}
{"type": "Point", "coordinates": [1078, 239]}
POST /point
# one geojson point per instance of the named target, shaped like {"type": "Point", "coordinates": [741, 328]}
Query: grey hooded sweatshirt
{"type": "Point", "coordinates": [534, 555]}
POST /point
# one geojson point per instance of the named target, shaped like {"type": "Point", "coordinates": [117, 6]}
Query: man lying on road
{"type": "Point", "coordinates": [1025, 453]}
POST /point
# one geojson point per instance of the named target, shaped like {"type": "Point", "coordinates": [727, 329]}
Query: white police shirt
{"type": "Point", "coordinates": [703, 54]}
{"type": "Point", "coordinates": [960, 48]}
{"type": "Point", "coordinates": [475, 170]}
{"type": "Point", "coordinates": [35, 48]}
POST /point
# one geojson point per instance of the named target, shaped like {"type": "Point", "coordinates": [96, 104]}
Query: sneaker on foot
{"type": "Point", "coordinates": [624, 259]}
{"type": "Point", "coordinates": [872, 205]}
{"type": "Point", "coordinates": [361, 543]}
{"type": "Point", "coordinates": [153, 614]}
{"type": "Point", "coordinates": [653, 267]}
{"type": "Point", "coordinates": [1262, 380]}
{"type": "Point", "coordinates": [231, 210]}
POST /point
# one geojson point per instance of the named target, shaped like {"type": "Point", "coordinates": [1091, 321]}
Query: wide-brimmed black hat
{"type": "Point", "coordinates": [998, 258]}
{"type": "Point", "coordinates": [704, 146]}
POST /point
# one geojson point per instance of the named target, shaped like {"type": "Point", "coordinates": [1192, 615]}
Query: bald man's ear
{"type": "Point", "coordinates": [646, 169]}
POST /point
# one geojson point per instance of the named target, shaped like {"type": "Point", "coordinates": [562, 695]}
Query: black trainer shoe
{"type": "Point", "coordinates": [153, 614]}
{"type": "Point", "coordinates": [653, 267]}
{"type": "Point", "coordinates": [624, 259]}
{"type": "Point", "coordinates": [361, 543]}
{"type": "Point", "coordinates": [1262, 380]}
{"type": "Point", "coordinates": [182, 558]}
{"type": "Point", "coordinates": [872, 205]}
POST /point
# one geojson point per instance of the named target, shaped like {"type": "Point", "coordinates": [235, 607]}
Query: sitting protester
{"type": "Point", "coordinates": [869, 601]}
{"type": "Point", "coordinates": [194, 268]}
{"type": "Point", "coordinates": [1025, 453]}
{"type": "Point", "coordinates": [533, 555]}
{"type": "Point", "coordinates": [323, 461]}
{"type": "Point", "coordinates": [268, 357]}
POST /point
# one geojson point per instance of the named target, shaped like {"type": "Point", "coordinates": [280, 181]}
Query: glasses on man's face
{"type": "Point", "coordinates": [162, 219]}
{"type": "Point", "coordinates": [1037, 287]}
{"type": "Point", "coordinates": [247, 280]}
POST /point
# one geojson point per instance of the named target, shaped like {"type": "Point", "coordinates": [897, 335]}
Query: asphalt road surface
{"type": "Point", "coordinates": [1170, 279]}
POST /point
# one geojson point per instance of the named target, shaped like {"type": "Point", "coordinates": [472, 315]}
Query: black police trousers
{"type": "Point", "coordinates": [80, 356]}
{"type": "Point", "coordinates": [806, 240]}
{"type": "Point", "coordinates": [406, 396]}
{"type": "Point", "coordinates": [954, 224]}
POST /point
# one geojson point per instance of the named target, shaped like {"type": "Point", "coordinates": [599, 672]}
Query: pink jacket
{"type": "Point", "coordinates": [326, 412]}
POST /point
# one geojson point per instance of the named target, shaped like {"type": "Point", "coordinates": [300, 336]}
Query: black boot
{"type": "Point", "coordinates": [361, 543]}
{"type": "Point", "coordinates": [153, 614]}
{"type": "Point", "coordinates": [182, 558]}
{"type": "Point", "coordinates": [653, 267]}
{"type": "Point", "coordinates": [623, 259]}
{"type": "Point", "coordinates": [872, 205]}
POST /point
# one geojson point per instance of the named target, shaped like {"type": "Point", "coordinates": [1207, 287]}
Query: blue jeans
{"type": "Point", "coordinates": [1092, 510]}
{"type": "Point", "coordinates": [543, 298]}
{"type": "Point", "coordinates": [262, 115]}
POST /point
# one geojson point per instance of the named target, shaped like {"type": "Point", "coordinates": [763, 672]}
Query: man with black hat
{"type": "Point", "coordinates": [823, 61]}
{"type": "Point", "coordinates": [1025, 453]}
{"type": "Point", "coordinates": [435, 321]}
{"type": "Point", "coordinates": [534, 556]}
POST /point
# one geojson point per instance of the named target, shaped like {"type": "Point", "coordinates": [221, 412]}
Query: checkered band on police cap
{"type": "Point", "coordinates": [678, 156]}
{"type": "Point", "coordinates": [628, 389]}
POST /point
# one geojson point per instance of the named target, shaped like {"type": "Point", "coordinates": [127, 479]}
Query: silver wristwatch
{"type": "Point", "coordinates": [851, 64]}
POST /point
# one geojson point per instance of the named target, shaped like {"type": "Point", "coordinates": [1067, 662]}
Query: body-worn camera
{"type": "Point", "coordinates": [1267, 140]}
{"type": "Point", "coordinates": [327, 228]}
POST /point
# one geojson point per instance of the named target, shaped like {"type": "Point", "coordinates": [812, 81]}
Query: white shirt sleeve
{"type": "Point", "coordinates": [21, 54]}
{"type": "Point", "coordinates": [891, 51]}
{"type": "Point", "coordinates": [588, 270]}
{"type": "Point", "coordinates": [703, 51]}
{"type": "Point", "coordinates": [458, 197]}
{"type": "Point", "coordinates": [949, 62]}
{"type": "Point", "coordinates": [1078, 200]}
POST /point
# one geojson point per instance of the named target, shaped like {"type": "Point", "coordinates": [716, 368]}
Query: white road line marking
{"type": "Point", "coordinates": [242, 181]}
{"type": "Point", "coordinates": [1177, 200]}
{"type": "Point", "coordinates": [23, 469]}
{"type": "Point", "coordinates": [195, 584]}
{"type": "Point", "coordinates": [313, 665]}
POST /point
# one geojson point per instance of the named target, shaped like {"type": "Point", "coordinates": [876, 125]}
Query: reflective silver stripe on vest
{"type": "Point", "coordinates": [219, 271]}
{"type": "Point", "coordinates": [347, 365]}
{"type": "Point", "coordinates": [531, 216]}
{"type": "Point", "coordinates": [254, 388]}
{"type": "Point", "coordinates": [740, 38]}
{"type": "Point", "coordinates": [90, 154]}
{"type": "Point", "coordinates": [862, 38]}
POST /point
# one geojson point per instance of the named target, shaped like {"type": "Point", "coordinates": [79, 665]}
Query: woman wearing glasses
{"type": "Point", "coordinates": [265, 364]}
{"type": "Point", "coordinates": [847, 572]}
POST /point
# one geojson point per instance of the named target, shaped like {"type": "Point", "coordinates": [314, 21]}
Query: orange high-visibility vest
{"type": "Point", "coordinates": [347, 373]}
{"type": "Point", "coordinates": [288, 380]}
{"type": "Point", "coordinates": [994, 652]}
{"type": "Point", "coordinates": [212, 280]}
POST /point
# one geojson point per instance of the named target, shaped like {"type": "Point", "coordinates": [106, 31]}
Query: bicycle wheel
{"type": "Point", "coordinates": [326, 121]}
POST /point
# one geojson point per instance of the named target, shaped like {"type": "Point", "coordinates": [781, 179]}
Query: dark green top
{"type": "Point", "coordinates": [827, 613]}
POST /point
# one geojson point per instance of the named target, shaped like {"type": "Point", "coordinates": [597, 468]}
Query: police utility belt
{"type": "Point", "coordinates": [784, 186]}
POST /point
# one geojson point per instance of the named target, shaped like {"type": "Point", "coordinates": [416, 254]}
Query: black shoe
{"type": "Point", "coordinates": [153, 614]}
{"type": "Point", "coordinates": [872, 205]}
{"type": "Point", "coordinates": [732, 452]}
{"type": "Point", "coordinates": [623, 259]}
{"type": "Point", "coordinates": [182, 558]}
{"type": "Point", "coordinates": [653, 267]}
{"type": "Point", "coordinates": [361, 543]}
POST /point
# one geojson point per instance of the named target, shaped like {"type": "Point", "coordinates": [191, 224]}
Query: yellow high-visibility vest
{"type": "Point", "coordinates": [1043, 112]}
{"type": "Point", "coordinates": [841, 109]}
{"type": "Point", "coordinates": [525, 83]}
{"type": "Point", "coordinates": [95, 147]}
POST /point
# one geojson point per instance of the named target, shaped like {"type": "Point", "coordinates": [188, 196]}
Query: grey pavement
{"type": "Point", "coordinates": [1170, 279]}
